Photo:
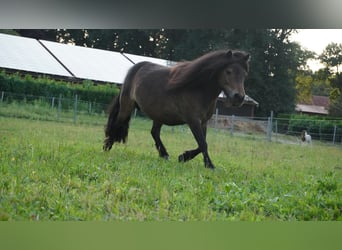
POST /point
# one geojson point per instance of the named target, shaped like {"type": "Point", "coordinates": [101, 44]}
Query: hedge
{"type": "Point", "coordinates": [44, 86]}
{"type": "Point", "coordinates": [319, 127]}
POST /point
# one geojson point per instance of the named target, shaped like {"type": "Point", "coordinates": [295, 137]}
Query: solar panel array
{"type": "Point", "coordinates": [58, 59]}
{"type": "Point", "coordinates": [27, 54]}
{"type": "Point", "coordinates": [88, 63]}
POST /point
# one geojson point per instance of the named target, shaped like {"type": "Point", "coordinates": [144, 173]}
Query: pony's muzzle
{"type": "Point", "coordinates": [238, 99]}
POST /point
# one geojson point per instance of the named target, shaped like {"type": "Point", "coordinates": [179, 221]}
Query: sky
{"type": "Point", "coordinates": [316, 40]}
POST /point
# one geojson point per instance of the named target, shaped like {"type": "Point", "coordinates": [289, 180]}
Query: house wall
{"type": "Point", "coordinates": [244, 110]}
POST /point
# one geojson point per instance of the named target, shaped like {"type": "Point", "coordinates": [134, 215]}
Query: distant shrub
{"type": "Point", "coordinates": [319, 127]}
{"type": "Point", "coordinates": [44, 86]}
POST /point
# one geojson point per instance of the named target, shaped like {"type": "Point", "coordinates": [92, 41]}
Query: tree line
{"type": "Point", "coordinates": [326, 81]}
{"type": "Point", "coordinates": [279, 75]}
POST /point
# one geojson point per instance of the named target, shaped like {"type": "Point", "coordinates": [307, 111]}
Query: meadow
{"type": "Point", "coordinates": [54, 171]}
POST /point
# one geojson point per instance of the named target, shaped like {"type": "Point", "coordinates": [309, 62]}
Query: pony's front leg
{"type": "Point", "coordinates": [199, 133]}
{"type": "Point", "coordinates": [155, 132]}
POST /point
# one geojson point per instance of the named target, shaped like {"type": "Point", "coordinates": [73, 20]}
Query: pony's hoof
{"type": "Point", "coordinates": [166, 157]}
{"type": "Point", "coordinates": [181, 158]}
{"type": "Point", "coordinates": [107, 147]}
{"type": "Point", "coordinates": [210, 166]}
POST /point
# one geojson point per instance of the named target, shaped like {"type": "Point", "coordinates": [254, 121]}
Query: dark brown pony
{"type": "Point", "coordinates": [183, 94]}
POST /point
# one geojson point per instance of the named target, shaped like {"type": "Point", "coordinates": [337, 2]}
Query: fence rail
{"type": "Point", "coordinates": [59, 108]}
{"type": "Point", "coordinates": [279, 129]}
{"type": "Point", "coordinates": [56, 108]}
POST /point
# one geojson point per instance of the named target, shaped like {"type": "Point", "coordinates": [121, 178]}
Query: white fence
{"type": "Point", "coordinates": [278, 129]}
{"type": "Point", "coordinates": [78, 111]}
{"type": "Point", "coordinates": [56, 108]}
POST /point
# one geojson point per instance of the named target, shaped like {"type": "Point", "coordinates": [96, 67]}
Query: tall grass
{"type": "Point", "coordinates": [58, 171]}
{"type": "Point", "coordinates": [42, 110]}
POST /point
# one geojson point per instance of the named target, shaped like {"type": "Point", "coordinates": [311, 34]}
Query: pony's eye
{"type": "Point", "coordinates": [229, 71]}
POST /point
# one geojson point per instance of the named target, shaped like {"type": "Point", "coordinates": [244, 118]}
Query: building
{"type": "Point", "coordinates": [318, 106]}
{"type": "Point", "coordinates": [247, 109]}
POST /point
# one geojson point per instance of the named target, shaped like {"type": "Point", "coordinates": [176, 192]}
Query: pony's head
{"type": "Point", "coordinates": [232, 77]}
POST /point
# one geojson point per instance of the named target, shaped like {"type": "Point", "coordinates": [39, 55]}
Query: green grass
{"type": "Point", "coordinates": [58, 171]}
{"type": "Point", "coordinates": [40, 110]}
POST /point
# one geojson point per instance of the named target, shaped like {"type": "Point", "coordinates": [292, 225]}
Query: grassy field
{"type": "Point", "coordinates": [58, 171]}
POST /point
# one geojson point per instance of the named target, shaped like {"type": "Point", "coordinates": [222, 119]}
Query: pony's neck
{"type": "Point", "coordinates": [211, 90]}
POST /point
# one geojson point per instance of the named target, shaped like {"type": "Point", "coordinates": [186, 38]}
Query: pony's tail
{"type": "Point", "coordinates": [115, 131]}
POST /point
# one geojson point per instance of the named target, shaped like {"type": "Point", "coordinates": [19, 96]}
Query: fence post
{"type": "Point", "coordinates": [269, 127]}
{"type": "Point", "coordinates": [75, 109]}
{"type": "Point", "coordinates": [59, 106]}
{"type": "Point", "coordinates": [216, 118]}
{"type": "Point", "coordinates": [334, 136]}
{"type": "Point", "coordinates": [89, 108]}
{"type": "Point", "coordinates": [2, 96]}
{"type": "Point", "coordinates": [232, 125]}
{"type": "Point", "coordinates": [276, 129]}
{"type": "Point", "coordinates": [320, 130]}
{"type": "Point", "coordinates": [53, 102]}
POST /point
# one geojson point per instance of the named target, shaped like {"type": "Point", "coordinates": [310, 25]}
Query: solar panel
{"type": "Point", "coordinates": [67, 60]}
{"type": "Point", "coordinates": [27, 54]}
{"type": "Point", "coordinates": [90, 63]}
{"type": "Point", "coordinates": [137, 58]}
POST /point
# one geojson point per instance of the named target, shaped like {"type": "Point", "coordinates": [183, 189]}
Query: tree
{"type": "Point", "coordinates": [190, 44]}
{"type": "Point", "coordinates": [310, 83]}
{"type": "Point", "coordinates": [9, 32]}
{"type": "Point", "coordinates": [274, 65]}
{"type": "Point", "coordinates": [335, 108]}
{"type": "Point", "coordinates": [321, 82]}
{"type": "Point", "coordinates": [332, 56]}
{"type": "Point", "coordinates": [304, 88]}
{"type": "Point", "coordinates": [44, 34]}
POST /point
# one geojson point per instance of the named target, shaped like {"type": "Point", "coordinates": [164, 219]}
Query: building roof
{"type": "Point", "coordinates": [247, 100]}
{"type": "Point", "coordinates": [311, 109]}
{"type": "Point", "coordinates": [321, 101]}
{"type": "Point", "coordinates": [319, 105]}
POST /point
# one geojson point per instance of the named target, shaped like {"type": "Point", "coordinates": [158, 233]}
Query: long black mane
{"type": "Point", "coordinates": [204, 68]}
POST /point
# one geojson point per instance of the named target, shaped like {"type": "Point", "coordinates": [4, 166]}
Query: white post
{"type": "Point", "coordinates": [53, 102]}
{"type": "Point", "coordinates": [59, 106]}
{"type": "Point", "coordinates": [276, 129]}
{"type": "Point", "coordinates": [232, 125]}
{"type": "Point", "coordinates": [216, 118]}
{"type": "Point", "coordinates": [334, 136]}
{"type": "Point", "coordinates": [269, 129]}
{"type": "Point", "coordinates": [75, 109]}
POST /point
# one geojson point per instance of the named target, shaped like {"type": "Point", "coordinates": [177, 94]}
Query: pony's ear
{"type": "Point", "coordinates": [229, 54]}
{"type": "Point", "coordinates": [247, 57]}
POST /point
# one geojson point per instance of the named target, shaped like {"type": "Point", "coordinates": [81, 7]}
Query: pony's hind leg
{"type": "Point", "coordinates": [188, 155]}
{"type": "Point", "coordinates": [155, 132]}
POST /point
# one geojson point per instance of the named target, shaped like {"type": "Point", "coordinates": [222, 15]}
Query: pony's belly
{"type": "Point", "coordinates": [173, 123]}
{"type": "Point", "coordinates": [167, 119]}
